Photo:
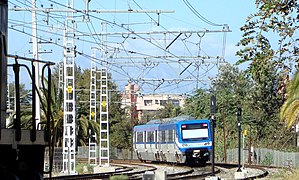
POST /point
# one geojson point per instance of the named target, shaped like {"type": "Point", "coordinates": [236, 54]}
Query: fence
{"type": "Point", "coordinates": [263, 156]}
{"type": "Point", "coordinates": [260, 156]}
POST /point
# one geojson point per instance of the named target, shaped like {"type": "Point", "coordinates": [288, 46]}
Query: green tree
{"type": "Point", "coordinates": [168, 111]}
{"type": "Point", "coordinates": [25, 105]}
{"type": "Point", "coordinates": [274, 24]}
{"type": "Point", "coordinates": [82, 107]}
{"type": "Point", "coordinates": [231, 87]}
{"type": "Point", "coordinates": [120, 125]}
{"type": "Point", "coordinates": [121, 135]}
{"type": "Point", "coordinates": [198, 104]}
{"type": "Point", "coordinates": [56, 124]}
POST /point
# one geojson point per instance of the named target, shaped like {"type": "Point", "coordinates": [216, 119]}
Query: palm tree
{"type": "Point", "coordinates": [290, 109]}
{"type": "Point", "coordinates": [83, 124]}
{"type": "Point", "coordinates": [56, 112]}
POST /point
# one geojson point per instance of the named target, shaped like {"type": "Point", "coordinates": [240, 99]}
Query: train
{"type": "Point", "coordinates": [181, 140]}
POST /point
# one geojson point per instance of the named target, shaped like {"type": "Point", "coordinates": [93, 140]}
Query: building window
{"type": "Point", "coordinates": [163, 102]}
{"type": "Point", "coordinates": [148, 102]}
{"type": "Point", "coordinates": [175, 102]}
{"type": "Point", "coordinates": [156, 101]}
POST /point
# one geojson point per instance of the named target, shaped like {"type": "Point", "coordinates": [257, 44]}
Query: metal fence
{"type": "Point", "coordinates": [263, 156]}
{"type": "Point", "coordinates": [259, 156]}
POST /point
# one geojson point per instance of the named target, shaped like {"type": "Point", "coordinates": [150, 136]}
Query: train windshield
{"type": "Point", "coordinates": [195, 131]}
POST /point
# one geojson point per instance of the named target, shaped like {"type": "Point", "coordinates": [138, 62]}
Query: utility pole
{"type": "Point", "coordinates": [69, 104]}
{"type": "Point", "coordinates": [3, 62]}
{"type": "Point", "coordinates": [35, 64]}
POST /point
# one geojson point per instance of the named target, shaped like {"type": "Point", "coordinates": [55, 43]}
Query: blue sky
{"type": "Point", "coordinates": [231, 12]}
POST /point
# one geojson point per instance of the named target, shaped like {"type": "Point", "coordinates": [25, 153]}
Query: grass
{"type": "Point", "coordinates": [285, 174]}
{"type": "Point", "coordinates": [292, 175]}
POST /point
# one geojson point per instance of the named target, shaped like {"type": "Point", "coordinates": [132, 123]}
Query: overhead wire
{"type": "Point", "coordinates": [80, 53]}
{"type": "Point", "coordinates": [57, 44]}
{"type": "Point", "coordinates": [159, 46]}
{"type": "Point", "coordinates": [163, 28]}
{"type": "Point", "coordinates": [127, 29]}
{"type": "Point", "coordinates": [141, 37]}
{"type": "Point", "coordinates": [92, 42]}
{"type": "Point", "coordinates": [196, 13]}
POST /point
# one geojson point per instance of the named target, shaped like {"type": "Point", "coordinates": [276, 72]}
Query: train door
{"type": "Point", "coordinates": [170, 143]}
{"type": "Point", "coordinates": [160, 139]}
{"type": "Point", "coordinates": [135, 139]}
{"type": "Point", "coordinates": [144, 139]}
{"type": "Point", "coordinates": [156, 139]}
{"type": "Point", "coordinates": [169, 139]}
{"type": "Point", "coordinates": [174, 138]}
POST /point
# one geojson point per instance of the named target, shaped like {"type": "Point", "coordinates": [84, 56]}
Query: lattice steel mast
{"type": "Point", "coordinates": [69, 121]}
{"type": "Point", "coordinates": [92, 141]}
{"type": "Point", "coordinates": [104, 105]}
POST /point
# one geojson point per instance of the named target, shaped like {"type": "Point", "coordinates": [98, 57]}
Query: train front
{"type": "Point", "coordinates": [195, 140]}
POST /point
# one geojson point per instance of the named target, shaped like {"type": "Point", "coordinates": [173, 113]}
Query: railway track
{"type": "Point", "coordinates": [135, 171]}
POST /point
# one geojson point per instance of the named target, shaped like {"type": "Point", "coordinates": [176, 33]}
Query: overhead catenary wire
{"type": "Point", "coordinates": [128, 52]}
{"type": "Point", "coordinates": [141, 37]}
{"type": "Point", "coordinates": [196, 13]}
{"type": "Point", "coordinates": [93, 59]}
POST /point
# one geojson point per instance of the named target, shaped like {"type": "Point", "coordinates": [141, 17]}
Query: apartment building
{"type": "Point", "coordinates": [137, 104]}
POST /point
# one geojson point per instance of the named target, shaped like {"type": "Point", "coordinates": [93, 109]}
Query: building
{"type": "Point", "coordinates": [138, 104]}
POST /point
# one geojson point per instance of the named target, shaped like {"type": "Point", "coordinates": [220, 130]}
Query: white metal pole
{"type": "Point", "coordinates": [36, 64]}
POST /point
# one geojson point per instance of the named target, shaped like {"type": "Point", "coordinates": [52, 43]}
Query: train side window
{"type": "Point", "coordinates": [139, 137]}
{"type": "Point", "coordinates": [163, 136]}
{"type": "Point", "coordinates": [170, 136]}
{"type": "Point", "coordinates": [150, 136]}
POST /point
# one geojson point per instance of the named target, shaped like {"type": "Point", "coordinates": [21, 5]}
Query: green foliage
{"type": "Point", "coordinates": [269, 45]}
{"type": "Point", "coordinates": [268, 160]}
{"type": "Point", "coordinates": [121, 135]}
{"type": "Point", "coordinates": [85, 126]}
{"type": "Point", "coordinates": [257, 95]}
{"type": "Point", "coordinates": [168, 111]}
{"type": "Point", "coordinates": [278, 19]}
{"type": "Point", "coordinates": [84, 168]}
{"type": "Point", "coordinates": [197, 105]}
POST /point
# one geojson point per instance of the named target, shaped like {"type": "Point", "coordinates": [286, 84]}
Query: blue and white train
{"type": "Point", "coordinates": [176, 140]}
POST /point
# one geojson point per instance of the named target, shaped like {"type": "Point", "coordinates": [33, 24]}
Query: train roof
{"type": "Point", "coordinates": [146, 127]}
{"type": "Point", "coordinates": [171, 120]}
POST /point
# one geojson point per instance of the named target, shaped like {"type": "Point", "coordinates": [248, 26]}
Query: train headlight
{"type": "Point", "coordinates": [196, 151]}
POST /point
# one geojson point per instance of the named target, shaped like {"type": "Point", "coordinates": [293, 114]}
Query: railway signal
{"type": "Point", "coordinates": [240, 174]}
{"type": "Point", "coordinates": [213, 111]}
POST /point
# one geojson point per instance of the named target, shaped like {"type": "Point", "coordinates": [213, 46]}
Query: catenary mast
{"type": "Point", "coordinates": [69, 120]}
